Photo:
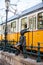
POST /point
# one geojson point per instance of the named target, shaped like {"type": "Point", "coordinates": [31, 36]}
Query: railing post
{"type": "Point", "coordinates": [38, 58]}
{"type": "Point", "coordinates": [31, 48]}
{"type": "Point", "coordinates": [24, 52]}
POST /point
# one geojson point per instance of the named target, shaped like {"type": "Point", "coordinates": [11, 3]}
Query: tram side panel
{"type": "Point", "coordinates": [40, 39]}
{"type": "Point", "coordinates": [13, 37]}
{"type": "Point", "coordinates": [0, 37]}
{"type": "Point", "coordinates": [33, 40]}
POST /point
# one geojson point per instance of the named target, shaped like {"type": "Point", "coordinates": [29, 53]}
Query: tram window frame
{"type": "Point", "coordinates": [40, 20]}
{"type": "Point", "coordinates": [23, 25]}
{"type": "Point", "coordinates": [32, 22]}
{"type": "Point", "coordinates": [12, 26]}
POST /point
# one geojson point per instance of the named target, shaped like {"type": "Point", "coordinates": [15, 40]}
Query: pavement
{"type": "Point", "coordinates": [17, 60]}
{"type": "Point", "coordinates": [3, 62]}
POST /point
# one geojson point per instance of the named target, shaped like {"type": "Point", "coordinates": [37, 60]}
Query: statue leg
{"type": "Point", "coordinates": [17, 51]}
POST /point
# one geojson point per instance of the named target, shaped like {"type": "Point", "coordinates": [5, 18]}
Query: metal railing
{"type": "Point", "coordinates": [10, 48]}
{"type": "Point", "coordinates": [38, 54]}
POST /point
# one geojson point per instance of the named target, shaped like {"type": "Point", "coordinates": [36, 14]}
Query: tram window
{"type": "Point", "coordinates": [40, 20]}
{"type": "Point", "coordinates": [9, 28]}
{"type": "Point", "coordinates": [23, 23]}
{"type": "Point", "coordinates": [3, 27]}
{"type": "Point", "coordinates": [32, 23]}
{"type": "Point", "coordinates": [13, 26]}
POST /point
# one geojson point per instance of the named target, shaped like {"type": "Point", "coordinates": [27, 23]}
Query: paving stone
{"type": "Point", "coordinates": [19, 60]}
{"type": "Point", "coordinates": [3, 62]}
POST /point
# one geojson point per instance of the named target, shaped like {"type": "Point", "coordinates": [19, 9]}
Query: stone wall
{"type": "Point", "coordinates": [17, 60]}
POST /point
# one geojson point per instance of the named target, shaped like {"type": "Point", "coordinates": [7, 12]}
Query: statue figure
{"type": "Point", "coordinates": [22, 40]}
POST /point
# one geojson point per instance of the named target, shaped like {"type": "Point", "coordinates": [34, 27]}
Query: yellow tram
{"type": "Point", "coordinates": [32, 18]}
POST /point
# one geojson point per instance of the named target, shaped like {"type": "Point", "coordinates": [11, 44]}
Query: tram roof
{"type": "Point", "coordinates": [32, 9]}
{"type": "Point", "coordinates": [27, 11]}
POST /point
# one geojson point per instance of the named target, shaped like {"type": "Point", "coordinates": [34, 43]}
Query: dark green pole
{"type": "Point", "coordinates": [7, 2]}
{"type": "Point", "coordinates": [6, 27]}
{"type": "Point", "coordinates": [38, 58]}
